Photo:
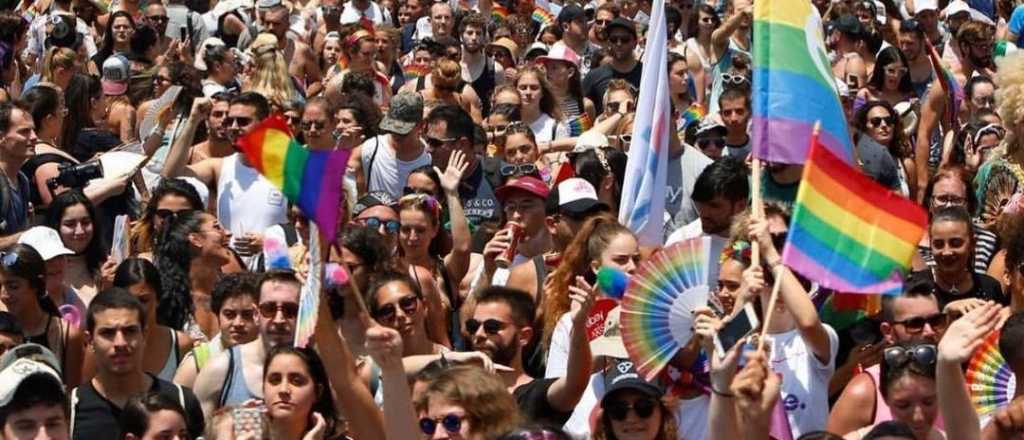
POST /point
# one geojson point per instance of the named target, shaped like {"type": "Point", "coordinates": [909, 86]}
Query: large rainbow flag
{"type": "Point", "coordinates": [310, 179]}
{"type": "Point", "coordinates": [848, 232]}
{"type": "Point", "coordinates": [793, 84]}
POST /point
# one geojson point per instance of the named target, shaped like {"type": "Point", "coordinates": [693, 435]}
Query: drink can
{"type": "Point", "coordinates": [505, 259]}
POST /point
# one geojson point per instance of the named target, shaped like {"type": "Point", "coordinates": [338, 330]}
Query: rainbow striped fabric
{"type": "Point", "coordinates": [793, 84]}
{"type": "Point", "coordinates": [580, 124]}
{"type": "Point", "coordinates": [498, 13]}
{"type": "Point", "coordinates": [413, 72]}
{"type": "Point", "coordinates": [309, 295]}
{"type": "Point", "coordinates": [543, 16]}
{"type": "Point", "coordinates": [310, 179]}
{"type": "Point", "coordinates": [848, 232]}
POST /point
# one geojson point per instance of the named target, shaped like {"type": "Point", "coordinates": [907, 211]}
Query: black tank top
{"type": "Point", "coordinates": [30, 166]}
{"type": "Point", "coordinates": [484, 85]}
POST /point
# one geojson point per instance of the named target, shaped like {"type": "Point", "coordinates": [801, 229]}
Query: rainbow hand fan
{"type": "Point", "coordinates": [989, 379]}
{"type": "Point", "coordinates": [309, 295]}
{"type": "Point", "coordinates": [657, 316]}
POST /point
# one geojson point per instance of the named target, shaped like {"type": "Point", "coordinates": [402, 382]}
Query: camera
{"type": "Point", "coordinates": [75, 175]}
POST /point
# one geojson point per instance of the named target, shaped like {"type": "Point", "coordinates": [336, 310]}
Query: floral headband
{"type": "Point", "coordinates": [739, 250]}
{"type": "Point", "coordinates": [426, 200]}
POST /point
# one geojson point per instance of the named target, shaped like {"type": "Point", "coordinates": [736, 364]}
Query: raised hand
{"type": "Point", "coordinates": [583, 296]}
{"type": "Point", "coordinates": [450, 178]}
{"type": "Point", "coordinates": [385, 346]}
{"type": "Point", "coordinates": [967, 333]}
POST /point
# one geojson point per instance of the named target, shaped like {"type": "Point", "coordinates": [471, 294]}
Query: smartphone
{"type": "Point", "coordinates": [852, 82]}
{"type": "Point", "coordinates": [248, 421]}
{"type": "Point", "coordinates": [183, 32]}
{"type": "Point", "coordinates": [736, 329]}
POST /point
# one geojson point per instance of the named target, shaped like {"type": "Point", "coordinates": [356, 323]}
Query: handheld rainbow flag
{"type": "Point", "coordinates": [309, 296]}
{"type": "Point", "coordinates": [310, 179]}
{"type": "Point", "coordinates": [848, 232]}
{"type": "Point", "coordinates": [793, 84]}
{"type": "Point", "coordinates": [413, 72]}
{"type": "Point", "coordinates": [693, 114]}
{"type": "Point", "coordinates": [498, 13]}
{"type": "Point", "coordinates": [642, 206]}
{"type": "Point", "coordinates": [543, 16]}
{"type": "Point", "coordinates": [580, 124]}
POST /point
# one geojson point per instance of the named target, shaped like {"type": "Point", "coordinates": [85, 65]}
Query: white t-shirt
{"type": "Point", "coordinates": [691, 230]}
{"type": "Point", "coordinates": [546, 129]}
{"type": "Point", "coordinates": [247, 201]}
{"type": "Point", "coordinates": [384, 171]}
{"type": "Point", "coordinates": [804, 379]}
{"type": "Point", "coordinates": [692, 417]}
{"type": "Point", "coordinates": [558, 350]}
{"type": "Point", "coordinates": [352, 14]}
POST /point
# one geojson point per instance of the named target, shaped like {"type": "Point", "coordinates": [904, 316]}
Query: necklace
{"type": "Point", "coordinates": [953, 290]}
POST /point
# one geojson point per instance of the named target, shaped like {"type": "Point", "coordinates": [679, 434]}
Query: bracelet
{"type": "Point", "coordinates": [719, 393]}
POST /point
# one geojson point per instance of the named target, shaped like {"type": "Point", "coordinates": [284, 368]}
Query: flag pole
{"type": "Point", "coordinates": [777, 272]}
{"type": "Point", "coordinates": [756, 209]}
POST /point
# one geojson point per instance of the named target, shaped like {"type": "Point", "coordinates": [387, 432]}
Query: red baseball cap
{"type": "Point", "coordinates": [528, 184]}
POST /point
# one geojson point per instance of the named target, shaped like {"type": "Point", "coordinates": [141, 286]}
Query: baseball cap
{"type": "Point", "coordinates": [371, 199]}
{"type": "Point", "coordinates": [610, 342]}
{"type": "Point", "coordinates": [622, 375]}
{"type": "Point", "coordinates": [956, 7]}
{"type": "Point", "coordinates": [576, 197]}
{"type": "Point", "coordinates": [46, 241]}
{"type": "Point", "coordinates": [266, 4]}
{"type": "Point", "coordinates": [529, 184]}
{"type": "Point", "coordinates": [560, 52]}
{"type": "Point", "coordinates": [27, 361]}
{"type": "Point", "coordinates": [535, 48]}
{"type": "Point", "coordinates": [849, 25]}
{"type": "Point", "coordinates": [405, 112]}
{"type": "Point", "coordinates": [708, 125]}
{"type": "Point", "coordinates": [570, 13]}
{"type": "Point", "coordinates": [115, 75]}
{"type": "Point", "coordinates": [622, 23]}
{"type": "Point", "coordinates": [925, 5]}
{"type": "Point", "coordinates": [589, 140]}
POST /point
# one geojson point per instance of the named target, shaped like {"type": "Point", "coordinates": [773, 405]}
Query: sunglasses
{"type": "Point", "coordinates": [878, 120]}
{"type": "Point", "coordinates": [436, 143]}
{"type": "Point", "coordinates": [313, 125]}
{"type": "Point", "coordinates": [707, 20]}
{"type": "Point", "coordinates": [518, 170]}
{"type": "Point", "coordinates": [620, 40]}
{"type": "Point", "coordinates": [160, 18]}
{"type": "Point", "coordinates": [729, 78]}
{"type": "Point", "coordinates": [937, 321]}
{"type": "Point", "coordinates": [391, 226]}
{"type": "Point", "coordinates": [924, 355]}
{"type": "Point", "coordinates": [896, 71]}
{"type": "Point", "coordinates": [602, 22]}
{"type": "Point", "coordinates": [709, 142]}
{"type": "Point", "coordinates": [388, 312]}
{"type": "Point", "coordinates": [622, 138]}
{"type": "Point", "coordinates": [410, 190]}
{"type": "Point", "coordinates": [618, 410]}
{"type": "Point", "coordinates": [269, 309]}
{"type": "Point", "coordinates": [491, 326]}
{"type": "Point", "coordinates": [244, 122]}
{"type": "Point", "coordinates": [451, 423]}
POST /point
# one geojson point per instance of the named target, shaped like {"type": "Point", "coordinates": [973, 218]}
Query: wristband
{"type": "Point", "coordinates": [720, 393]}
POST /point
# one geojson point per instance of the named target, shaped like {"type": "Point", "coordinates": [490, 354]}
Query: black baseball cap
{"type": "Point", "coordinates": [622, 23]}
{"type": "Point", "coordinates": [622, 374]}
{"type": "Point", "coordinates": [849, 25]}
{"type": "Point", "coordinates": [570, 13]}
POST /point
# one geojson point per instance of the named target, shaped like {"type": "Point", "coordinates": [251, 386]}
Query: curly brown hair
{"type": "Point", "coordinates": [490, 408]}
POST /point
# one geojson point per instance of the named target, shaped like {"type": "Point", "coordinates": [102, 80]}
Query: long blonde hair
{"type": "Point", "coordinates": [57, 57]}
{"type": "Point", "coordinates": [270, 76]}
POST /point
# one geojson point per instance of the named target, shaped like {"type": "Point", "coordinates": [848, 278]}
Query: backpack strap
{"type": "Point", "coordinates": [373, 157]}
{"type": "Point", "coordinates": [74, 409]}
{"type": "Point", "coordinates": [228, 380]}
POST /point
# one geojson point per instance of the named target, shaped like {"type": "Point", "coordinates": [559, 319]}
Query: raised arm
{"type": "Point", "coordinates": [385, 346]}
{"type": "Point", "coordinates": [566, 391]}
{"type": "Point", "coordinates": [931, 113]}
{"type": "Point", "coordinates": [457, 262]}
{"type": "Point", "coordinates": [177, 158]}
{"type": "Point", "coordinates": [742, 10]}
{"type": "Point", "coordinates": [961, 339]}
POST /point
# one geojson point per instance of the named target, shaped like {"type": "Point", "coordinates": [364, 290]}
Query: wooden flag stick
{"type": "Point", "coordinates": [756, 209]}
{"type": "Point", "coordinates": [771, 306]}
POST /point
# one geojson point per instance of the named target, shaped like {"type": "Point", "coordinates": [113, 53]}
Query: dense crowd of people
{"type": "Point", "coordinates": [150, 276]}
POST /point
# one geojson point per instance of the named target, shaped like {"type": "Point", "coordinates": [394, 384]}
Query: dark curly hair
{"type": "Point", "coordinates": [173, 258]}
{"type": "Point", "coordinates": [95, 253]}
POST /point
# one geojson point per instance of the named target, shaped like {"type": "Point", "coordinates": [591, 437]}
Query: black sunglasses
{"type": "Point", "coordinates": [924, 355]}
{"type": "Point", "coordinates": [391, 226]}
{"type": "Point", "coordinates": [436, 143]}
{"type": "Point", "coordinates": [491, 326]}
{"type": "Point", "coordinates": [269, 309]}
{"type": "Point", "coordinates": [387, 312]}
{"type": "Point", "coordinates": [518, 170]}
{"type": "Point", "coordinates": [451, 423]}
{"type": "Point", "coordinates": [877, 121]}
{"type": "Point", "coordinates": [937, 321]}
{"type": "Point", "coordinates": [618, 410]}
{"type": "Point", "coordinates": [410, 190]}
{"type": "Point", "coordinates": [708, 142]}
{"type": "Point", "coordinates": [241, 121]}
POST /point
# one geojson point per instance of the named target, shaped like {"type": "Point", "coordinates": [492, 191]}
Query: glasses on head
{"type": "Point", "coordinates": [491, 326]}
{"type": "Point", "coordinates": [437, 143]}
{"type": "Point", "coordinates": [268, 310]}
{"type": "Point", "coordinates": [518, 170]}
{"type": "Point", "coordinates": [924, 355]}
{"type": "Point", "coordinates": [388, 312]}
{"type": "Point", "coordinates": [710, 142]}
{"type": "Point", "coordinates": [391, 226]}
{"type": "Point", "coordinates": [878, 120]}
{"type": "Point", "coordinates": [451, 423]}
{"type": "Point", "coordinates": [618, 410]}
{"type": "Point", "coordinates": [911, 25]}
{"type": "Point", "coordinates": [241, 121]}
{"type": "Point", "coordinates": [937, 322]}
{"type": "Point", "coordinates": [734, 79]}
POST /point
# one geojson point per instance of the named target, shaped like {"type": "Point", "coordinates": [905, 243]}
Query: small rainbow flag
{"type": "Point", "coordinates": [498, 13]}
{"type": "Point", "coordinates": [543, 16]}
{"type": "Point", "coordinates": [793, 85]}
{"type": "Point", "coordinates": [413, 72]}
{"type": "Point", "coordinates": [580, 124]}
{"type": "Point", "coordinates": [310, 179]}
{"type": "Point", "coordinates": [693, 114]}
{"type": "Point", "coordinates": [309, 295]}
{"type": "Point", "coordinates": [848, 232]}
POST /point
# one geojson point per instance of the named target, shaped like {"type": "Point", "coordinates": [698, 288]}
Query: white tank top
{"type": "Point", "coordinates": [246, 201]}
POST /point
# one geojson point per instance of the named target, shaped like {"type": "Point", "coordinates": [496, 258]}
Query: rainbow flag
{"type": "Point", "coordinates": [693, 114]}
{"type": "Point", "coordinates": [413, 72]}
{"type": "Point", "coordinates": [310, 179]}
{"type": "Point", "coordinates": [580, 124]}
{"type": "Point", "coordinates": [793, 84]}
{"type": "Point", "coordinates": [309, 295]}
{"type": "Point", "coordinates": [848, 232]}
{"type": "Point", "coordinates": [543, 16]}
{"type": "Point", "coordinates": [498, 13]}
